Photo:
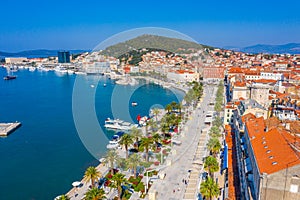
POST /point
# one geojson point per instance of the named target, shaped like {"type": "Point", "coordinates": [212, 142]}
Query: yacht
{"type": "Point", "coordinates": [118, 124]}
{"type": "Point", "coordinates": [134, 104]}
{"type": "Point", "coordinates": [112, 145]}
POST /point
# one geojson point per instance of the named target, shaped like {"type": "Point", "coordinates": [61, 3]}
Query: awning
{"type": "Point", "coordinates": [248, 166]}
{"type": "Point", "coordinates": [225, 158]}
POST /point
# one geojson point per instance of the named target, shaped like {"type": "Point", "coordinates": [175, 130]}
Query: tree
{"type": "Point", "coordinates": [64, 197]}
{"type": "Point", "coordinates": [91, 174]}
{"type": "Point", "coordinates": [214, 145]}
{"type": "Point", "coordinates": [214, 131]}
{"type": "Point", "coordinates": [156, 137]}
{"type": "Point", "coordinates": [126, 140]}
{"type": "Point", "coordinates": [117, 181]}
{"type": "Point", "coordinates": [209, 188]}
{"type": "Point", "coordinates": [95, 194]}
{"type": "Point", "coordinates": [133, 162]}
{"type": "Point", "coordinates": [217, 122]}
{"type": "Point", "coordinates": [136, 134]}
{"type": "Point", "coordinates": [146, 144]}
{"type": "Point", "coordinates": [168, 108]}
{"type": "Point", "coordinates": [211, 165]}
{"type": "Point", "coordinates": [110, 158]}
{"type": "Point", "coordinates": [173, 105]}
{"type": "Point", "coordinates": [156, 112]}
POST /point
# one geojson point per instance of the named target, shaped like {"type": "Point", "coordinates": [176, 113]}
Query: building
{"type": "Point", "coordinates": [213, 73]}
{"type": "Point", "coordinates": [63, 56]}
{"type": "Point", "coordinates": [183, 76]}
{"type": "Point", "coordinates": [15, 60]}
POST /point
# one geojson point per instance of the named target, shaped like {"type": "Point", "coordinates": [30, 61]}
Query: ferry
{"type": "Point", "coordinates": [118, 124]}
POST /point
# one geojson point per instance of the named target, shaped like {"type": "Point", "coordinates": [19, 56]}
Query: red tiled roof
{"type": "Point", "coordinates": [271, 149]}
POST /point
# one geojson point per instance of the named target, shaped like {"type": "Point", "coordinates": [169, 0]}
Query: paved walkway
{"type": "Point", "coordinates": [182, 167]}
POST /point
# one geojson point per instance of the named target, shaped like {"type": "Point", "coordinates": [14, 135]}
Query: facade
{"type": "Point", "coordinates": [271, 75]}
{"type": "Point", "coordinates": [183, 76]}
{"type": "Point", "coordinates": [63, 56]}
{"type": "Point", "coordinates": [15, 60]}
{"type": "Point", "coordinates": [213, 73]}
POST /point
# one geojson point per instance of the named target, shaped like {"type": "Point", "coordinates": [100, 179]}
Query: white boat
{"type": "Point", "coordinates": [70, 71]}
{"type": "Point", "coordinates": [31, 69]}
{"type": "Point", "coordinates": [134, 103]}
{"type": "Point", "coordinates": [104, 85]}
{"type": "Point", "coordinates": [143, 121]}
{"type": "Point", "coordinates": [118, 124]}
{"type": "Point", "coordinates": [112, 145]}
{"type": "Point", "coordinates": [92, 86]}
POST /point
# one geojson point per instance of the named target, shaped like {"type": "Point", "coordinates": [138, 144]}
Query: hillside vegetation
{"type": "Point", "coordinates": [152, 42]}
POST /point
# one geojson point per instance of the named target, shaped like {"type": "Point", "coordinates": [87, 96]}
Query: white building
{"type": "Point", "coordinates": [271, 75]}
{"type": "Point", "coordinates": [183, 76]}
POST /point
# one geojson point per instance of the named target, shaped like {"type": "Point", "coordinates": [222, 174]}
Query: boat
{"type": "Point", "coordinates": [8, 77]}
{"type": "Point", "coordinates": [118, 124]}
{"type": "Point", "coordinates": [143, 121]}
{"type": "Point", "coordinates": [134, 103]}
{"type": "Point", "coordinates": [92, 86]}
{"type": "Point", "coordinates": [112, 145]}
{"type": "Point", "coordinates": [104, 85]}
{"type": "Point", "coordinates": [31, 69]}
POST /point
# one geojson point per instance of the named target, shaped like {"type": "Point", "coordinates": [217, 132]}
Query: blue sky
{"type": "Point", "coordinates": [58, 24]}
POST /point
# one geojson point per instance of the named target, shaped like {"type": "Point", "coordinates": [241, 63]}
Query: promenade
{"type": "Point", "coordinates": [186, 163]}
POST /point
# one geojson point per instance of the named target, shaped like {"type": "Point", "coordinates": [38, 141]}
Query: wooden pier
{"type": "Point", "coordinates": [8, 128]}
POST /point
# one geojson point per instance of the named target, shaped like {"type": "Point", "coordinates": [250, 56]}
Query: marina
{"type": "Point", "coordinates": [8, 128]}
{"type": "Point", "coordinates": [48, 133]}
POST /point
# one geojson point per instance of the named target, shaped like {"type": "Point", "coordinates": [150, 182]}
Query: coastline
{"type": "Point", "coordinates": [162, 83]}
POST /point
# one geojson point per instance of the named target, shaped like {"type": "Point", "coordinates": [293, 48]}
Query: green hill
{"type": "Point", "coordinates": [152, 42]}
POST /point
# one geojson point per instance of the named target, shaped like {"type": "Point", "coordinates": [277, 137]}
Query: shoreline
{"type": "Point", "coordinates": [164, 84]}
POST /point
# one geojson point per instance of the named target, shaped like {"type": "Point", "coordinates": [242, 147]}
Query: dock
{"type": "Point", "coordinates": [8, 128]}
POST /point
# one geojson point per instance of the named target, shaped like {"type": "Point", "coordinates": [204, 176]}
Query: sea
{"type": "Point", "coordinates": [42, 158]}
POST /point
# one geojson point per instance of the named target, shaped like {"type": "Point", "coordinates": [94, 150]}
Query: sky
{"type": "Point", "coordinates": [58, 24]}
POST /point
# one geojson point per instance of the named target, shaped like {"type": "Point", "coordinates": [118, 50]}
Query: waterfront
{"type": "Point", "coordinates": [43, 157]}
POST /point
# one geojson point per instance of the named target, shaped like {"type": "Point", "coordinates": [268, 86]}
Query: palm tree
{"type": "Point", "coordinates": [217, 122]}
{"type": "Point", "coordinates": [214, 131]}
{"type": "Point", "coordinates": [173, 105]}
{"type": "Point", "coordinates": [209, 188]}
{"type": "Point", "coordinates": [214, 146]}
{"type": "Point", "coordinates": [156, 112]}
{"type": "Point", "coordinates": [126, 140]}
{"type": "Point", "coordinates": [133, 162]}
{"type": "Point", "coordinates": [168, 108]}
{"type": "Point", "coordinates": [156, 137]}
{"type": "Point", "coordinates": [117, 181]}
{"type": "Point", "coordinates": [211, 165]}
{"type": "Point", "coordinates": [146, 144]}
{"type": "Point", "coordinates": [91, 174]}
{"type": "Point", "coordinates": [110, 158]}
{"type": "Point", "coordinates": [136, 134]}
{"type": "Point", "coordinates": [64, 197]}
{"type": "Point", "coordinates": [95, 194]}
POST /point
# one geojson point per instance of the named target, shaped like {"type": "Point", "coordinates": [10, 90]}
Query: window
{"type": "Point", "coordinates": [294, 188]}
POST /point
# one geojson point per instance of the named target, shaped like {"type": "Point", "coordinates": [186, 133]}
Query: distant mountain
{"type": "Point", "coordinates": [291, 48]}
{"type": "Point", "coordinates": [39, 53]}
{"type": "Point", "coordinates": [152, 42]}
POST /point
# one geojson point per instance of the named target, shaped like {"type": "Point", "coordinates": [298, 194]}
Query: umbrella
{"type": "Point", "coordinates": [76, 183]}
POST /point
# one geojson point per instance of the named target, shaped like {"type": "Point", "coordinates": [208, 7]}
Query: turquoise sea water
{"type": "Point", "coordinates": [45, 155]}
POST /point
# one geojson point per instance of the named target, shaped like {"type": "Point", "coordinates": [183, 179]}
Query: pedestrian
{"type": "Point", "coordinates": [183, 180]}
{"type": "Point", "coordinates": [174, 191]}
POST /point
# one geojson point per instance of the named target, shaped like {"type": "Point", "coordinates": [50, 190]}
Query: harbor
{"type": "Point", "coordinates": [8, 128]}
